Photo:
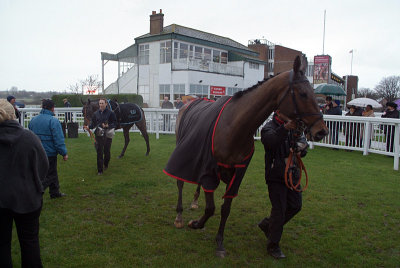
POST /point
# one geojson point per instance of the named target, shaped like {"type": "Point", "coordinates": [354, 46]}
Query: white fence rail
{"type": "Point", "coordinates": [365, 134]}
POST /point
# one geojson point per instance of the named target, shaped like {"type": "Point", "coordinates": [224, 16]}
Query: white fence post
{"type": "Point", "coordinates": [396, 146]}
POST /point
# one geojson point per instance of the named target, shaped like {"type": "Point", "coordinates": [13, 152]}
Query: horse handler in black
{"type": "Point", "coordinates": [104, 123]}
{"type": "Point", "coordinates": [279, 138]}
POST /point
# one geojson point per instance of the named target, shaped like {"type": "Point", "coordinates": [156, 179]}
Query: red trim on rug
{"type": "Point", "coordinates": [215, 126]}
{"type": "Point", "coordinates": [178, 178]}
{"type": "Point", "coordinates": [207, 191]}
{"type": "Point", "coordinates": [230, 184]}
{"type": "Point", "coordinates": [229, 196]}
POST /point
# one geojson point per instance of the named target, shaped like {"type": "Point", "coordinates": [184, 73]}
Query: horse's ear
{"type": "Point", "coordinates": [296, 64]}
{"type": "Point", "coordinates": [300, 64]}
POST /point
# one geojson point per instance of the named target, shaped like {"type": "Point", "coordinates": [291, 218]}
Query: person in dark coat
{"type": "Point", "coordinates": [11, 99]}
{"type": "Point", "coordinates": [68, 116]}
{"type": "Point", "coordinates": [333, 108]}
{"type": "Point", "coordinates": [23, 165]}
{"type": "Point", "coordinates": [49, 131]}
{"type": "Point", "coordinates": [390, 112]}
{"type": "Point", "coordinates": [353, 130]}
{"type": "Point", "coordinates": [277, 136]}
{"type": "Point", "coordinates": [104, 122]}
{"type": "Point", "coordinates": [179, 103]}
{"type": "Point", "coordinates": [166, 104]}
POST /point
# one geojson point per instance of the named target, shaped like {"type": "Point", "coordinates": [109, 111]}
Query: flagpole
{"type": "Point", "coordinates": [323, 40]}
{"type": "Point", "coordinates": [351, 66]}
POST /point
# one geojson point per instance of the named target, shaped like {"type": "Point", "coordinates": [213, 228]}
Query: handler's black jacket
{"type": "Point", "coordinates": [276, 140]}
{"type": "Point", "coordinates": [100, 117]}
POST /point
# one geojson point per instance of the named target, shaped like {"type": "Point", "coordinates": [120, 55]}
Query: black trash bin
{"type": "Point", "coordinates": [72, 130]}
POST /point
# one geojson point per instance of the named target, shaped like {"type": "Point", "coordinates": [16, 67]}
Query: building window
{"type": "Point", "coordinates": [165, 52]}
{"type": "Point", "coordinates": [270, 67]}
{"type": "Point", "coordinates": [207, 54]}
{"type": "Point", "coordinates": [200, 91]}
{"type": "Point", "coordinates": [198, 52]}
{"type": "Point", "coordinates": [232, 90]}
{"type": "Point", "coordinates": [253, 65]}
{"type": "Point", "coordinates": [145, 92]}
{"type": "Point", "coordinates": [183, 52]}
{"type": "Point", "coordinates": [224, 57]}
{"type": "Point", "coordinates": [144, 54]}
{"type": "Point", "coordinates": [271, 53]}
{"type": "Point", "coordinates": [216, 56]}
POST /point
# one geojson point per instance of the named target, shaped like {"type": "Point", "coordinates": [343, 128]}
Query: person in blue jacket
{"type": "Point", "coordinates": [48, 129]}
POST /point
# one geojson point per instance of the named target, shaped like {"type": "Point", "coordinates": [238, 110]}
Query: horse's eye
{"type": "Point", "coordinates": [303, 95]}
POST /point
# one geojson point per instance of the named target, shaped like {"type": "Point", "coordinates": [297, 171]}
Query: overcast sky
{"type": "Point", "coordinates": [51, 44]}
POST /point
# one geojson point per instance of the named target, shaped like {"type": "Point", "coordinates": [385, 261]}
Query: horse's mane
{"type": "Point", "coordinates": [239, 94]}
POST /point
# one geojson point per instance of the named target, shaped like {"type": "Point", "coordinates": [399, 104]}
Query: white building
{"type": "Point", "coordinates": [175, 60]}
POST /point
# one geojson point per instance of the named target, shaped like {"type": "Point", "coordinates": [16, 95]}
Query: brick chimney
{"type": "Point", "coordinates": [156, 22]}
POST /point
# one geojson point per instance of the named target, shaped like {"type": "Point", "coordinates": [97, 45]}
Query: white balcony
{"type": "Point", "coordinates": [206, 66]}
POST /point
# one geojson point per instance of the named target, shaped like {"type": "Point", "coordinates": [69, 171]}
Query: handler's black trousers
{"type": "Point", "coordinates": [27, 226]}
{"type": "Point", "coordinates": [103, 147]}
{"type": "Point", "coordinates": [285, 204]}
{"type": "Point", "coordinates": [51, 179]}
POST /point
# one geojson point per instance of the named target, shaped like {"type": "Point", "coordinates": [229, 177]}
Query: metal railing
{"type": "Point", "coordinates": [365, 134]}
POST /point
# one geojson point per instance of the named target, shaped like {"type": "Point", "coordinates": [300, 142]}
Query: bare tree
{"type": "Point", "coordinates": [75, 88]}
{"type": "Point", "coordinates": [92, 83]}
{"type": "Point", "coordinates": [367, 93]}
{"type": "Point", "coordinates": [389, 88]}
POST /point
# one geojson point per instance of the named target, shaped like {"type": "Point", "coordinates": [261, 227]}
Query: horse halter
{"type": "Point", "coordinates": [301, 125]}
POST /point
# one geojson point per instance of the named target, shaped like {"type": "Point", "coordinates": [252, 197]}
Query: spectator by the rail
{"type": "Point", "coordinates": [390, 112]}
{"type": "Point", "coordinates": [179, 103]}
{"type": "Point", "coordinates": [166, 104]}
{"type": "Point", "coordinates": [333, 108]}
{"type": "Point", "coordinates": [353, 129]}
{"type": "Point", "coordinates": [23, 165]}
{"type": "Point", "coordinates": [11, 99]}
{"type": "Point", "coordinates": [48, 129]}
{"type": "Point", "coordinates": [68, 116]}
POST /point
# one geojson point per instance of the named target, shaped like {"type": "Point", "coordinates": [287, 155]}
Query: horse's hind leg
{"type": "Point", "coordinates": [195, 202]}
{"type": "Point", "coordinates": [209, 211]}
{"type": "Point", "coordinates": [143, 129]}
{"type": "Point", "coordinates": [178, 220]}
{"type": "Point", "coordinates": [126, 136]}
{"type": "Point", "coordinates": [225, 211]}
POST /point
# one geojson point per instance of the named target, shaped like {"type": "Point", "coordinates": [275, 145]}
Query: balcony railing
{"type": "Point", "coordinates": [206, 66]}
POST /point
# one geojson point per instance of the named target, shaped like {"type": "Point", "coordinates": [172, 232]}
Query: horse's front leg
{"type": "Point", "coordinates": [225, 211]}
{"type": "Point", "coordinates": [209, 211]}
{"type": "Point", "coordinates": [178, 220]}
{"type": "Point", "coordinates": [195, 202]}
{"type": "Point", "coordinates": [126, 136]}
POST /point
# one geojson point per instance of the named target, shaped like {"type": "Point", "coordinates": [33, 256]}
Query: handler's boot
{"type": "Point", "coordinates": [264, 226]}
{"type": "Point", "coordinates": [275, 251]}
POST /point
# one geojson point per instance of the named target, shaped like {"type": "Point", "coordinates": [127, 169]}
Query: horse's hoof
{"type": "Point", "coordinates": [119, 157]}
{"type": "Point", "coordinates": [178, 224]}
{"type": "Point", "coordinates": [194, 206]}
{"type": "Point", "coordinates": [220, 253]}
{"type": "Point", "coordinates": [192, 224]}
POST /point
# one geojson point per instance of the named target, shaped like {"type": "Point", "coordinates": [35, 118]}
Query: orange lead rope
{"type": "Point", "coordinates": [289, 165]}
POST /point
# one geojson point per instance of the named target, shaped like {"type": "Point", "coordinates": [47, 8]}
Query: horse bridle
{"type": "Point", "coordinates": [301, 126]}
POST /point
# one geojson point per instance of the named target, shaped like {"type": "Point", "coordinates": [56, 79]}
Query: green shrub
{"type": "Point", "coordinates": [76, 99]}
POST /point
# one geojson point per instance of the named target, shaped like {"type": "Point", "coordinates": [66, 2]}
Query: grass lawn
{"type": "Point", "coordinates": [350, 216]}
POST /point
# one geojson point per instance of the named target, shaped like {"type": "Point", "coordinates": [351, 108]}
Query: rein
{"type": "Point", "coordinates": [291, 167]}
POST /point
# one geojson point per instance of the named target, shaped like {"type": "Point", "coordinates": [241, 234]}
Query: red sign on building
{"type": "Point", "coordinates": [217, 90]}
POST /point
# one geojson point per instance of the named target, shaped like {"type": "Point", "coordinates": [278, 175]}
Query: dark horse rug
{"type": "Point", "coordinates": [128, 113]}
{"type": "Point", "coordinates": [192, 160]}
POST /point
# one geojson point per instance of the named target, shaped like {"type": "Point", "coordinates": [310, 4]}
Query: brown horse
{"type": "Point", "coordinates": [232, 138]}
{"type": "Point", "coordinates": [125, 120]}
